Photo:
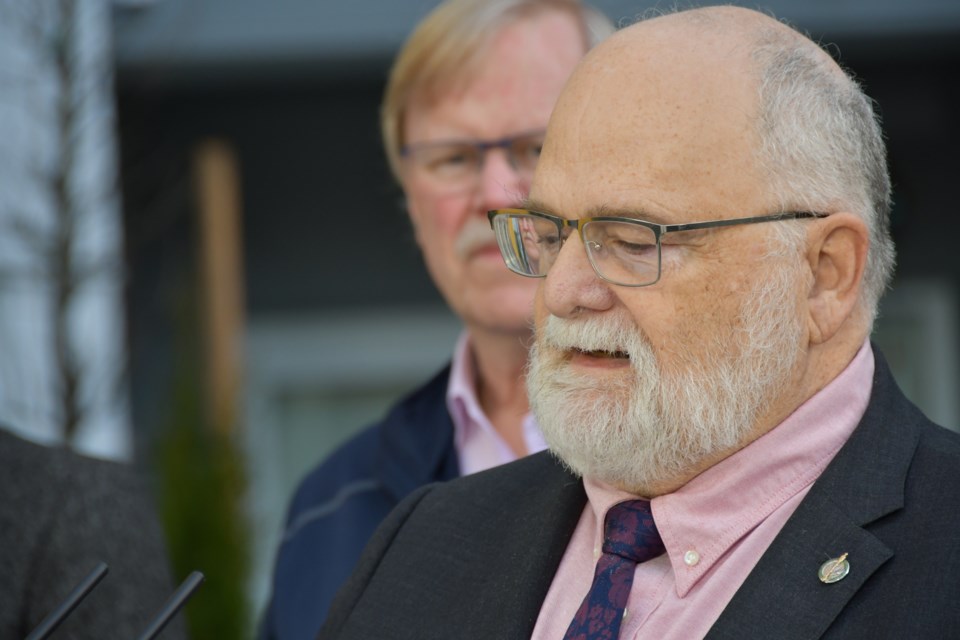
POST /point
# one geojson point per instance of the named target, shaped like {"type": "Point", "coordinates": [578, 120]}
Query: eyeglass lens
{"type": "Point", "coordinates": [460, 163]}
{"type": "Point", "coordinates": [621, 252]}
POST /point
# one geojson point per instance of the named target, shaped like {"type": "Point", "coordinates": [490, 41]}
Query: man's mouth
{"type": "Point", "coordinates": [607, 355]}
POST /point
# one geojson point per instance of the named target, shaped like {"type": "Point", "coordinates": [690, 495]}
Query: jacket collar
{"type": "Point", "coordinates": [415, 441]}
{"type": "Point", "coordinates": [516, 543]}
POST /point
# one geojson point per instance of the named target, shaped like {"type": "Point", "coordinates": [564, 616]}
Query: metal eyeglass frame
{"type": "Point", "coordinates": [659, 230]}
{"type": "Point", "coordinates": [482, 146]}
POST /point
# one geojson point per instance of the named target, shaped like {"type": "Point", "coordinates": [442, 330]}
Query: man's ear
{"type": "Point", "coordinates": [837, 254]}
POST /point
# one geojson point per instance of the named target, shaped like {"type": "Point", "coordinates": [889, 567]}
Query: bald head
{"type": "Point", "coordinates": [685, 81]}
{"type": "Point", "coordinates": [749, 112]}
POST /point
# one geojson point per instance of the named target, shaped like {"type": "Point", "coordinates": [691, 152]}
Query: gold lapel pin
{"type": "Point", "coordinates": [834, 570]}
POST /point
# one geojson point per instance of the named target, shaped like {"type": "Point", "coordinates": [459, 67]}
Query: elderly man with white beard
{"type": "Point", "coordinates": [729, 455]}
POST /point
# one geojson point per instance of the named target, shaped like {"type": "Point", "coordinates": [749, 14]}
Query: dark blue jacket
{"type": "Point", "coordinates": [341, 502]}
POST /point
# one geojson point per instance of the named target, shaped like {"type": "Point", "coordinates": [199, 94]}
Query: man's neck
{"type": "Point", "coordinates": [499, 360]}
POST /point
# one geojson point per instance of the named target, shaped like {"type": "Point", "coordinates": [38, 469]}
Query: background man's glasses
{"type": "Point", "coordinates": [623, 251]}
{"type": "Point", "coordinates": [457, 164]}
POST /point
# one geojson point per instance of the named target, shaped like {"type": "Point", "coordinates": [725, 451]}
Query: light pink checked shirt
{"type": "Point", "coordinates": [478, 444]}
{"type": "Point", "coordinates": [715, 527]}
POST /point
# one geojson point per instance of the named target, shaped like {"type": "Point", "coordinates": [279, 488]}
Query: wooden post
{"type": "Point", "coordinates": [217, 184]}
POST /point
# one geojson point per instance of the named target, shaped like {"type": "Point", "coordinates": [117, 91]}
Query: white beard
{"type": "Point", "coordinates": [647, 428]}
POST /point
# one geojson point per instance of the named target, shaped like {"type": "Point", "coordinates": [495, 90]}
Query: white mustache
{"type": "Point", "coordinates": [475, 234]}
{"type": "Point", "coordinates": [603, 333]}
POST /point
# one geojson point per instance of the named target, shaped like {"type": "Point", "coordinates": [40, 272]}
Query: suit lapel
{"type": "Point", "coordinates": [783, 596]}
{"type": "Point", "coordinates": [520, 548]}
{"type": "Point", "coordinates": [470, 559]}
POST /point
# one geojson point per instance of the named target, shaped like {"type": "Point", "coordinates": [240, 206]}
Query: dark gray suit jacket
{"type": "Point", "coordinates": [473, 558]}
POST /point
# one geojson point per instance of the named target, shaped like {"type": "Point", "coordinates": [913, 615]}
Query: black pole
{"type": "Point", "coordinates": [55, 617]}
{"type": "Point", "coordinates": [173, 605]}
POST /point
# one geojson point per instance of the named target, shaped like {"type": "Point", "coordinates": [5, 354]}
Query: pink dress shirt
{"type": "Point", "coordinates": [715, 527]}
{"type": "Point", "coordinates": [478, 444]}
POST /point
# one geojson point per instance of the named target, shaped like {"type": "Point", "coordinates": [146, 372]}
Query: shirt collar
{"type": "Point", "coordinates": [720, 506]}
{"type": "Point", "coordinates": [462, 399]}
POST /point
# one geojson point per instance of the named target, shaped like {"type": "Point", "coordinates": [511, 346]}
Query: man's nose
{"type": "Point", "coordinates": [501, 185]}
{"type": "Point", "coordinates": [572, 286]}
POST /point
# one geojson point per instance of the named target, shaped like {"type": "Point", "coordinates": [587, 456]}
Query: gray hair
{"type": "Point", "coordinates": [822, 146]}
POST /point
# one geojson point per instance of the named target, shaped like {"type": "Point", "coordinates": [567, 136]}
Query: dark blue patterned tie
{"type": "Point", "coordinates": [630, 537]}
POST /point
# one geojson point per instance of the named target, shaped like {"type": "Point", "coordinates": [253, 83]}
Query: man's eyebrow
{"type": "Point", "coordinates": [602, 210]}
{"type": "Point", "coordinates": [535, 205]}
{"type": "Point", "coordinates": [620, 212]}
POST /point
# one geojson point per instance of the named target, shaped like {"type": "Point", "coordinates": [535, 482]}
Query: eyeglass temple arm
{"type": "Point", "coordinates": [786, 215]}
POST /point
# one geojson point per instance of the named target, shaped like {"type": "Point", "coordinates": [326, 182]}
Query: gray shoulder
{"type": "Point", "coordinates": [68, 513]}
{"type": "Point", "coordinates": [532, 473]}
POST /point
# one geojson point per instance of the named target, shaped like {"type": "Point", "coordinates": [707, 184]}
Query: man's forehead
{"type": "Point", "coordinates": [642, 128]}
{"type": "Point", "coordinates": [601, 209]}
{"type": "Point", "coordinates": [509, 88]}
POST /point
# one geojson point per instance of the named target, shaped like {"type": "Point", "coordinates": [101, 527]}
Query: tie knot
{"type": "Point", "coordinates": [630, 532]}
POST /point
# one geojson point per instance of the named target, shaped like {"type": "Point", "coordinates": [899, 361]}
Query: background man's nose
{"type": "Point", "coordinates": [501, 185]}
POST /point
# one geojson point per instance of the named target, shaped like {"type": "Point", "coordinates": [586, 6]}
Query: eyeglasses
{"type": "Point", "coordinates": [622, 251]}
{"type": "Point", "coordinates": [456, 164]}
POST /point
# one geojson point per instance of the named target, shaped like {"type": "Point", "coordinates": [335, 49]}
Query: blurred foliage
{"type": "Point", "coordinates": [202, 482]}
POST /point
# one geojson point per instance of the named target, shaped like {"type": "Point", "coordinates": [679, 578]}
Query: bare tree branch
{"type": "Point", "coordinates": [64, 54]}
{"type": "Point", "coordinates": [58, 241]}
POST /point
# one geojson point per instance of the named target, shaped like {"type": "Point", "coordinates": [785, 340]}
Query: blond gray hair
{"type": "Point", "coordinates": [446, 45]}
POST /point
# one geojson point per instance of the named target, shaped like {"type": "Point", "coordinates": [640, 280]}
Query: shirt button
{"type": "Point", "coordinates": [691, 558]}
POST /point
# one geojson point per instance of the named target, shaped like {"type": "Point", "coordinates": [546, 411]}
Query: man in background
{"type": "Point", "coordinates": [463, 120]}
{"type": "Point", "coordinates": [710, 220]}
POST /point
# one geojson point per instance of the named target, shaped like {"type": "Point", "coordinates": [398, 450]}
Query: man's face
{"type": "Point", "coordinates": [647, 427]}
{"type": "Point", "coordinates": [646, 387]}
{"type": "Point", "coordinates": [513, 91]}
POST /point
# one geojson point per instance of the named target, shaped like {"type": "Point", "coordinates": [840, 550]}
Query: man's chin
{"type": "Point", "coordinates": [593, 381]}
{"type": "Point", "coordinates": [500, 322]}
{"type": "Point", "coordinates": [592, 470]}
